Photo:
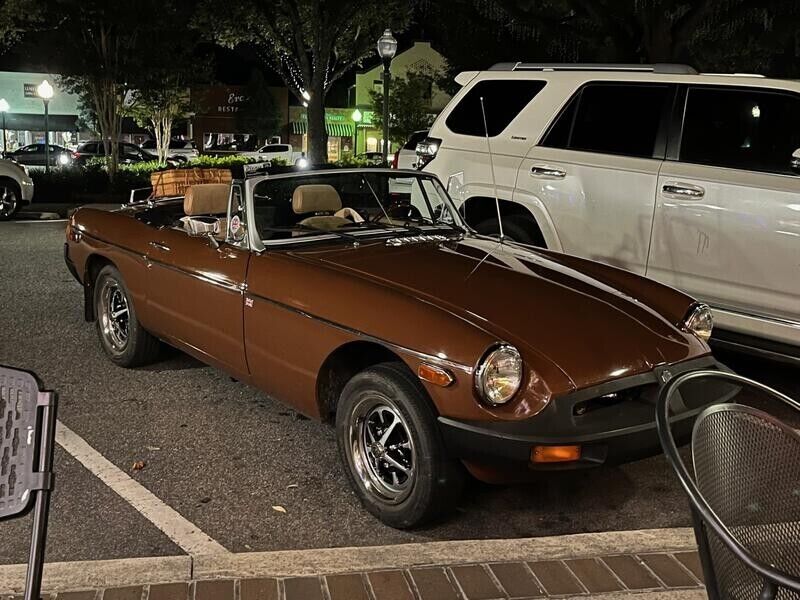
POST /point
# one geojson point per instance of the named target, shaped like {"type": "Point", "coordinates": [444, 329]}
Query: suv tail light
{"type": "Point", "coordinates": [426, 151]}
{"type": "Point", "coordinates": [396, 159]}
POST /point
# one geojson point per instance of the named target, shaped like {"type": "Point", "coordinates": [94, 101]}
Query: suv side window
{"type": "Point", "coordinates": [502, 99]}
{"type": "Point", "coordinates": [750, 129]}
{"type": "Point", "coordinates": [612, 119]}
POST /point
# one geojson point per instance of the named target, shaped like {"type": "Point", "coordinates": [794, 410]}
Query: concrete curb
{"type": "Point", "coordinates": [82, 575]}
{"type": "Point", "coordinates": [132, 571]}
{"type": "Point", "coordinates": [403, 556]}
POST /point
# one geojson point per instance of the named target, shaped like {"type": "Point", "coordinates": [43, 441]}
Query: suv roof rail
{"type": "Point", "coordinates": [665, 68]}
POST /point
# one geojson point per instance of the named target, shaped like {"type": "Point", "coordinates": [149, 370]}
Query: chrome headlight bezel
{"type": "Point", "coordinates": [483, 371]}
{"type": "Point", "coordinates": [699, 321]}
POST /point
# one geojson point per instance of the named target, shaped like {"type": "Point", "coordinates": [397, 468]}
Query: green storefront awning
{"type": "Point", "coordinates": [333, 129]}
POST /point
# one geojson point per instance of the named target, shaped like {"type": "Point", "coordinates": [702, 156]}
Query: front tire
{"type": "Point", "coordinates": [10, 199]}
{"type": "Point", "coordinates": [123, 338]}
{"type": "Point", "coordinates": [391, 449]}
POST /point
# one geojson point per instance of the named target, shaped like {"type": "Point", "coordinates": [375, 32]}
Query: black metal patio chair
{"type": "Point", "coordinates": [745, 492]}
{"type": "Point", "coordinates": [27, 437]}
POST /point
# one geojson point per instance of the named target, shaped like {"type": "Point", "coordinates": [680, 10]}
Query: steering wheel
{"type": "Point", "coordinates": [400, 210]}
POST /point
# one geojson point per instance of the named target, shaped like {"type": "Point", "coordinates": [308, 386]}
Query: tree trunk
{"type": "Point", "coordinates": [317, 134]}
{"type": "Point", "coordinates": [162, 128]}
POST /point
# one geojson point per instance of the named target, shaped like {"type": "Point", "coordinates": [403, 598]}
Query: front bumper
{"type": "Point", "coordinates": [613, 422]}
{"type": "Point", "coordinates": [26, 189]}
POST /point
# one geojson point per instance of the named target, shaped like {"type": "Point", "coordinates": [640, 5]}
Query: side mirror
{"type": "Point", "coordinates": [796, 161]}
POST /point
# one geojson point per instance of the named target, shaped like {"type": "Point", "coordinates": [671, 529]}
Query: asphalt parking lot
{"type": "Point", "coordinates": [224, 456]}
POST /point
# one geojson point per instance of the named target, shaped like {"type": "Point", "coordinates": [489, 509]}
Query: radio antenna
{"type": "Point", "coordinates": [491, 167]}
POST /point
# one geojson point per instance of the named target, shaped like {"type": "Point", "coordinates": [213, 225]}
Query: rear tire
{"type": "Point", "coordinates": [122, 337]}
{"type": "Point", "coordinates": [405, 478]}
{"type": "Point", "coordinates": [10, 199]}
{"type": "Point", "coordinates": [517, 228]}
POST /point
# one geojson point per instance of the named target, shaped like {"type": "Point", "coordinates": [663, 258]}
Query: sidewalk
{"type": "Point", "coordinates": [650, 564]}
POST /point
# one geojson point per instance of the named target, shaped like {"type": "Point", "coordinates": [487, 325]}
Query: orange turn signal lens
{"type": "Point", "coordinates": [555, 454]}
{"type": "Point", "coordinates": [435, 375]}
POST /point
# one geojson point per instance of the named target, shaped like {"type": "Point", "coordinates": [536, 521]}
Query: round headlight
{"type": "Point", "coordinates": [499, 376]}
{"type": "Point", "coordinates": [700, 321]}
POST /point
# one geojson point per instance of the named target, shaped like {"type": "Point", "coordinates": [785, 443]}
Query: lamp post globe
{"type": "Point", "coordinates": [45, 92]}
{"type": "Point", "coordinates": [356, 116]}
{"type": "Point", "coordinates": [4, 108]}
{"type": "Point", "coordinates": [387, 48]}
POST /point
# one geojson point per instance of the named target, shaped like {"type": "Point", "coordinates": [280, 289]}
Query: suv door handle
{"type": "Point", "coordinates": [546, 172]}
{"type": "Point", "coordinates": [683, 191]}
{"type": "Point", "coordinates": [160, 246]}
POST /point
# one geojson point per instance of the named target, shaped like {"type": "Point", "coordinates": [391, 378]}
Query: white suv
{"type": "Point", "coordinates": [16, 188]}
{"type": "Point", "coordinates": [691, 179]}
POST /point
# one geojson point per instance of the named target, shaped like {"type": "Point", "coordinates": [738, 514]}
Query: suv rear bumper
{"type": "Point", "coordinates": [607, 434]}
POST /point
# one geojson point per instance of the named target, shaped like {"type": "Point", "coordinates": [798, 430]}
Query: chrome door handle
{"type": "Point", "coordinates": [683, 191]}
{"type": "Point", "coordinates": [548, 172]}
{"type": "Point", "coordinates": [160, 246]}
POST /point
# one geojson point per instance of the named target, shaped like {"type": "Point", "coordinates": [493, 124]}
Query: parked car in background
{"type": "Point", "coordinates": [405, 157]}
{"type": "Point", "coordinates": [691, 179]}
{"type": "Point", "coordinates": [372, 158]}
{"type": "Point", "coordinates": [177, 148]}
{"type": "Point", "coordinates": [128, 153]}
{"type": "Point", "coordinates": [16, 188]}
{"type": "Point", "coordinates": [283, 152]}
{"type": "Point", "coordinates": [433, 350]}
{"type": "Point", "coordinates": [33, 155]}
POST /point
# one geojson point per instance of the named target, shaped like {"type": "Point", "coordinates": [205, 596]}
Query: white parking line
{"type": "Point", "coordinates": [181, 531]}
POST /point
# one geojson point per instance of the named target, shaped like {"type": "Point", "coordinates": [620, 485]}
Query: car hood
{"type": "Point", "coordinates": [589, 330]}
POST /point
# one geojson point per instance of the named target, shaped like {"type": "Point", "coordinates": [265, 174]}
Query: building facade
{"type": "Point", "coordinates": [24, 120]}
{"type": "Point", "coordinates": [339, 125]}
{"type": "Point", "coordinates": [216, 126]}
{"type": "Point", "coordinates": [419, 57]}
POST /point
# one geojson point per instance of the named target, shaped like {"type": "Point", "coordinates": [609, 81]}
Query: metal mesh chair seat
{"type": "Point", "coordinates": [745, 493]}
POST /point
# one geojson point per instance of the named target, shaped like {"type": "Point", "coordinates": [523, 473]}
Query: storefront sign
{"type": "Point", "coordinates": [29, 90]}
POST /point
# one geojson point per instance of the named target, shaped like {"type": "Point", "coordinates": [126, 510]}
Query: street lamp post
{"type": "Point", "coordinates": [4, 109]}
{"type": "Point", "coordinates": [45, 92]}
{"type": "Point", "coordinates": [387, 47]}
{"type": "Point", "coordinates": [357, 116]}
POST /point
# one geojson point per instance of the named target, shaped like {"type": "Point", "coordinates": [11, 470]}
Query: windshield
{"type": "Point", "coordinates": [344, 203]}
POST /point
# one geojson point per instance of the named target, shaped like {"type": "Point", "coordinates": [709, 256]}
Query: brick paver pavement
{"type": "Point", "coordinates": [655, 572]}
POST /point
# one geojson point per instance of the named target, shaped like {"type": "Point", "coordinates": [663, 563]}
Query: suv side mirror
{"type": "Point", "coordinates": [796, 161]}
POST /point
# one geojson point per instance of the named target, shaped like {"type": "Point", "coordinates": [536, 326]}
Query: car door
{"type": "Point", "coordinates": [727, 220]}
{"type": "Point", "coordinates": [195, 295]}
{"type": "Point", "coordinates": [596, 168]}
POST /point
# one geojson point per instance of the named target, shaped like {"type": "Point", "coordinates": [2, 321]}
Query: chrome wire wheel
{"type": "Point", "coordinates": [382, 449]}
{"type": "Point", "coordinates": [114, 315]}
{"type": "Point", "coordinates": [8, 201]}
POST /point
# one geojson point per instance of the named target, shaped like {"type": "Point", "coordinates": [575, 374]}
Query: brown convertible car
{"type": "Point", "coordinates": [361, 297]}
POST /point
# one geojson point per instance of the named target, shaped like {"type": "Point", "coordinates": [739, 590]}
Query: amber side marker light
{"type": "Point", "coordinates": [435, 375]}
{"type": "Point", "coordinates": [555, 454]}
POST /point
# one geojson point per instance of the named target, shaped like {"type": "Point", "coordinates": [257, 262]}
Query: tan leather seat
{"type": "Point", "coordinates": [203, 204]}
{"type": "Point", "coordinates": [321, 199]}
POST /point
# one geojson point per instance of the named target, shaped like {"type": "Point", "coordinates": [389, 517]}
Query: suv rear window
{"type": "Point", "coordinates": [741, 129]}
{"type": "Point", "coordinates": [612, 119]}
{"type": "Point", "coordinates": [503, 99]}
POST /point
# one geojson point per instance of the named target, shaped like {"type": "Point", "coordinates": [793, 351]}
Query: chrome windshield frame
{"type": "Point", "coordinates": [258, 245]}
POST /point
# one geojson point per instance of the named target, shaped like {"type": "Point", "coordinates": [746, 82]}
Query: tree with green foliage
{"type": "Point", "coordinates": [259, 113]}
{"type": "Point", "coordinates": [409, 104]}
{"type": "Point", "coordinates": [310, 43]}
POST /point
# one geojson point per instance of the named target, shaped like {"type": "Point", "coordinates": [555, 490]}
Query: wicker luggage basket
{"type": "Point", "coordinates": [174, 182]}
